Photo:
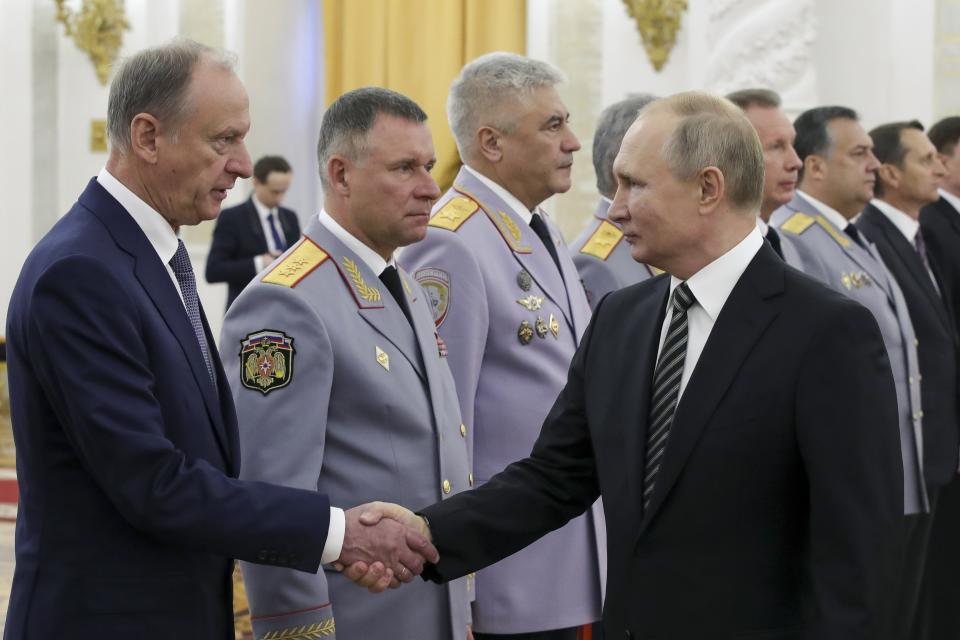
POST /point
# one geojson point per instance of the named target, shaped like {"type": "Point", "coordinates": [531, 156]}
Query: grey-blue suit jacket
{"type": "Point", "coordinates": [359, 405]}
{"type": "Point", "coordinates": [512, 324]}
{"type": "Point", "coordinates": [829, 255]}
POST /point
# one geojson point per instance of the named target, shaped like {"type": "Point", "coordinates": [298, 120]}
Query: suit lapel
{"type": "Point", "coordinates": [375, 304]}
{"type": "Point", "coordinates": [155, 280]}
{"type": "Point", "coordinates": [256, 227]}
{"type": "Point", "coordinates": [741, 322]}
{"type": "Point", "coordinates": [908, 257]}
{"type": "Point", "coordinates": [525, 244]}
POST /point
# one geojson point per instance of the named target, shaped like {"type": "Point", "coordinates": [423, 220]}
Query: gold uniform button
{"type": "Point", "coordinates": [447, 487]}
{"type": "Point", "coordinates": [910, 379]}
{"type": "Point", "coordinates": [916, 342]}
{"type": "Point", "coordinates": [470, 479]}
{"type": "Point", "coordinates": [463, 430]}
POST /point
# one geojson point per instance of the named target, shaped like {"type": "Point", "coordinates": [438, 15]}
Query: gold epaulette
{"type": "Point", "coordinates": [842, 240]}
{"type": "Point", "coordinates": [798, 223]}
{"type": "Point", "coordinates": [303, 259]}
{"type": "Point", "coordinates": [454, 213]}
{"type": "Point", "coordinates": [603, 240]}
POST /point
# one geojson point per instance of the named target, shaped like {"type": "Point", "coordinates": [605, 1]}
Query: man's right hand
{"type": "Point", "coordinates": [378, 551]}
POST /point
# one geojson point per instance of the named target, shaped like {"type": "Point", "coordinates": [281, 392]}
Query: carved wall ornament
{"type": "Point", "coordinates": [658, 22]}
{"type": "Point", "coordinates": [97, 29]}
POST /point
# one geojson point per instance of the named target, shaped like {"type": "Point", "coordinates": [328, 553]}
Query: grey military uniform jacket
{"type": "Point", "coordinates": [336, 393]}
{"type": "Point", "coordinates": [512, 324]}
{"type": "Point", "coordinates": [603, 257]}
{"type": "Point", "coordinates": [831, 256]}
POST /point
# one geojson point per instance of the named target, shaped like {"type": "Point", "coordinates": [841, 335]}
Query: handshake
{"type": "Point", "coordinates": [384, 544]}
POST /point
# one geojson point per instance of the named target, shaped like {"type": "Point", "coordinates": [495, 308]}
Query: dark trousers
{"type": "Point", "coordinates": [906, 581]}
{"type": "Point", "coordinates": [940, 601]}
{"type": "Point", "coordinates": [585, 632]}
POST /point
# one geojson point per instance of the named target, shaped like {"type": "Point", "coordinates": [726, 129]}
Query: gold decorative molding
{"type": "Point", "coordinates": [97, 29]}
{"type": "Point", "coordinates": [658, 22]}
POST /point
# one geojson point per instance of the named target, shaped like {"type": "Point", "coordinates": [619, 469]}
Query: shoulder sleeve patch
{"type": "Point", "coordinates": [797, 223]}
{"type": "Point", "coordinates": [603, 241]}
{"type": "Point", "coordinates": [304, 258]}
{"type": "Point", "coordinates": [454, 213]}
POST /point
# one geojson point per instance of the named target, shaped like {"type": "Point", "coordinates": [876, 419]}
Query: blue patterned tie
{"type": "Point", "coordinates": [183, 270]}
{"type": "Point", "coordinates": [277, 242]}
{"type": "Point", "coordinates": [666, 388]}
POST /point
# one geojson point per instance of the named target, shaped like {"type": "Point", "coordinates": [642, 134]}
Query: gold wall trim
{"type": "Point", "coordinates": [658, 22]}
{"type": "Point", "coordinates": [97, 29]}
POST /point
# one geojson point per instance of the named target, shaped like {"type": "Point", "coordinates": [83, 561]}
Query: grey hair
{"type": "Point", "coordinates": [156, 81]}
{"type": "Point", "coordinates": [611, 127]}
{"type": "Point", "coordinates": [713, 132]}
{"type": "Point", "coordinates": [486, 91]}
{"type": "Point", "coordinates": [348, 121]}
{"type": "Point", "coordinates": [757, 97]}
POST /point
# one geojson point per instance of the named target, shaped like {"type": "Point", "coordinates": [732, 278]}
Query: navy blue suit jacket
{"type": "Point", "coordinates": [130, 513]}
{"type": "Point", "coordinates": [237, 239]}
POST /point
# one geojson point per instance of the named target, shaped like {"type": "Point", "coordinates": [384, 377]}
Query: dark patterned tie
{"type": "Point", "coordinates": [666, 388]}
{"type": "Point", "coordinates": [183, 270]}
{"type": "Point", "coordinates": [852, 231]}
{"type": "Point", "coordinates": [921, 248]}
{"type": "Point", "coordinates": [390, 277]}
{"type": "Point", "coordinates": [540, 228]}
{"type": "Point", "coordinates": [277, 240]}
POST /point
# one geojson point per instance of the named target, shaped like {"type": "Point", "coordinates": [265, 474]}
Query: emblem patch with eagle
{"type": "Point", "coordinates": [266, 360]}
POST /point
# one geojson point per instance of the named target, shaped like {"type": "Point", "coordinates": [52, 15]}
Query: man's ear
{"type": "Point", "coordinates": [814, 168]}
{"type": "Point", "coordinates": [489, 140]}
{"type": "Point", "coordinates": [144, 132]}
{"type": "Point", "coordinates": [890, 174]}
{"type": "Point", "coordinates": [713, 188]}
{"type": "Point", "coordinates": [338, 170]}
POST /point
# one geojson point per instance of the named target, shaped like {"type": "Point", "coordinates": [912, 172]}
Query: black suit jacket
{"type": "Point", "coordinates": [130, 511]}
{"type": "Point", "coordinates": [937, 343]}
{"type": "Point", "coordinates": [780, 489]}
{"type": "Point", "coordinates": [237, 239]}
{"type": "Point", "coordinates": [940, 225]}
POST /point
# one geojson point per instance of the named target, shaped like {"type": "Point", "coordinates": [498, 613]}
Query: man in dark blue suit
{"type": "Point", "coordinates": [127, 447]}
{"type": "Point", "coordinates": [251, 235]}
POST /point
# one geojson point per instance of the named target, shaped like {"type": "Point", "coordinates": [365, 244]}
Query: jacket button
{"type": "Point", "coordinates": [470, 479]}
{"type": "Point", "coordinates": [463, 430]}
{"type": "Point", "coordinates": [447, 487]}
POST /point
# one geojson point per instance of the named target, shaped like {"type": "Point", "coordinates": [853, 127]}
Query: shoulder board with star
{"type": "Point", "coordinates": [297, 265]}
{"type": "Point", "coordinates": [840, 239]}
{"type": "Point", "coordinates": [602, 241]}
{"type": "Point", "coordinates": [454, 213]}
{"type": "Point", "coordinates": [798, 223]}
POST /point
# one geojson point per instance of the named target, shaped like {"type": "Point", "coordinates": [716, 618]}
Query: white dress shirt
{"type": "Point", "coordinates": [711, 286]}
{"type": "Point", "coordinates": [158, 231]}
{"type": "Point", "coordinates": [262, 211]}
{"type": "Point", "coordinates": [832, 215]}
{"type": "Point", "coordinates": [518, 208]}
{"type": "Point", "coordinates": [165, 242]}
{"type": "Point", "coordinates": [908, 226]}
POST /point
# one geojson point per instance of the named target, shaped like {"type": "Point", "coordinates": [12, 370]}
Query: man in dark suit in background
{"type": "Point", "coordinates": [738, 418]}
{"type": "Point", "coordinates": [250, 235]}
{"type": "Point", "coordinates": [907, 181]}
{"type": "Point", "coordinates": [127, 448]}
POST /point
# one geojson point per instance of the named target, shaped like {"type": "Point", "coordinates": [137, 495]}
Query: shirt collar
{"type": "Point", "coordinates": [762, 226]}
{"type": "Point", "coordinates": [504, 195]}
{"type": "Point", "coordinates": [832, 215]}
{"type": "Point", "coordinates": [907, 225]}
{"type": "Point", "coordinates": [261, 208]}
{"type": "Point", "coordinates": [371, 258]}
{"type": "Point", "coordinates": [950, 198]}
{"type": "Point", "coordinates": [158, 231]}
{"type": "Point", "coordinates": [711, 286]}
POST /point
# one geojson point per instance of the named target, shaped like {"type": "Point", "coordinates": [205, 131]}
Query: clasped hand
{"type": "Point", "coordinates": [384, 544]}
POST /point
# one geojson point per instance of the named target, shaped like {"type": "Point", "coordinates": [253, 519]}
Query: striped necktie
{"type": "Point", "coordinates": [666, 387]}
{"type": "Point", "coordinates": [183, 270]}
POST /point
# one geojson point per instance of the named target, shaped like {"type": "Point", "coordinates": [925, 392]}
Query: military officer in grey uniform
{"type": "Point", "coordinates": [781, 166]}
{"type": "Point", "coordinates": [508, 302]}
{"type": "Point", "coordinates": [836, 182]}
{"type": "Point", "coordinates": [340, 380]}
{"type": "Point", "coordinates": [600, 252]}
